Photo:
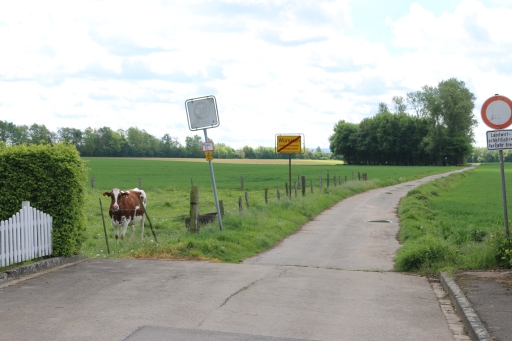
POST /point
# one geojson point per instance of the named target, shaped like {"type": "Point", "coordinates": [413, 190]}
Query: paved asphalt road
{"type": "Point", "coordinates": [330, 281]}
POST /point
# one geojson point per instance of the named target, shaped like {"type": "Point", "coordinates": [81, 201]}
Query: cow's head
{"type": "Point", "coordinates": [115, 198]}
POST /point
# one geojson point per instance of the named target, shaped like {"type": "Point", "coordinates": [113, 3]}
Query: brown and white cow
{"type": "Point", "coordinates": [125, 209]}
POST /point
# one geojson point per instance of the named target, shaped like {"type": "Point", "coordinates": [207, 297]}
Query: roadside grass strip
{"type": "Point", "coordinates": [454, 223]}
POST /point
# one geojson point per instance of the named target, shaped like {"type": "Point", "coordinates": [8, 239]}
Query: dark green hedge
{"type": "Point", "coordinates": [53, 179]}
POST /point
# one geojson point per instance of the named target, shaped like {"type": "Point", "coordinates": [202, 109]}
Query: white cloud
{"type": "Point", "coordinates": [274, 66]}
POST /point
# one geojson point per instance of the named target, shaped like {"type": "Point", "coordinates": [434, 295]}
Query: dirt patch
{"type": "Point", "coordinates": [497, 276]}
{"type": "Point", "coordinates": [490, 294]}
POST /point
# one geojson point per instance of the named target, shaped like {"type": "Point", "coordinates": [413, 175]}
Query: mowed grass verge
{"type": "Point", "coordinates": [455, 223]}
{"type": "Point", "coordinates": [258, 227]}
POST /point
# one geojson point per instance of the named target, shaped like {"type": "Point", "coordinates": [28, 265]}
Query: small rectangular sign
{"type": "Point", "coordinates": [209, 156]}
{"type": "Point", "coordinates": [499, 139]}
{"type": "Point", "coordinates": [289, 144]}
{"type": "Point", "coordinates": [207, 146]}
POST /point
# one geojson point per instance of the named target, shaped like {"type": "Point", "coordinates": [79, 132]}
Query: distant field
{"type": "Point", "coordinates": [175, 174]}
{"type": "Point", "coordinates": [251, 161]}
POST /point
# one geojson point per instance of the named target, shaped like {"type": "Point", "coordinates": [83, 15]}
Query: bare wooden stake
{"type": "Point", "coordinates": [147, 216]}
{"type": "Point", "coordinates": [295, 187]}
{"type": "Point", "coordinates": [266, 195]}
{"type": "Point", "coordinates": [303, 179]}
{"type": "Point", "coordinates": [247, 198]}
{"type": "Point", "coordinates": [278, 194]}
{"type": "Point", "coordinates": [242, 183]}
{"type": "Point", "coordinates": [92, 182]}
{"type": "Point", "coordinates": [104, 227]}
{"type": "Point", "coordinates": [288, 193]}
{"type": "Point", "coordinates": [194, 209]}
{"type": "Point", "coordinates": [311, 186]}
{"type": "Point", "coordinates": [328, 179]}
{"type": "Point", "coordinates": [221, 207]}
{"type": "Point", "coordinates": [240, 206]}
{"type": "Point", "coordinates": [140, 184]}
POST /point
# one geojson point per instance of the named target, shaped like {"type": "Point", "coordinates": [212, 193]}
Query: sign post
{"type": "Point", "coordinates": [202, 113]}
{"type": "Point", "coordinates": [290, 143]}
{"type": "Point", "coordinates": [497, 114]}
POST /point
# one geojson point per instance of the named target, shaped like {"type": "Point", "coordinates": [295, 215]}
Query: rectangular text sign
{"type": "Point", "coordinates": [499, 139]}
{"type": "Point", "coordinates": [289, 144]}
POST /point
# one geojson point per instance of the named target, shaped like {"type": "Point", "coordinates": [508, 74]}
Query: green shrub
{"type": "Point", "coordinates": [426, 254]}
{"type": "Point", "coordinates": [53, 179]}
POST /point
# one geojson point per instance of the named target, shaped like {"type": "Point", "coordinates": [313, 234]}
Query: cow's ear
{"type": "Point", "coordinates": [124, 194]}
{"type": "Point", "coordinates": [107, 194]}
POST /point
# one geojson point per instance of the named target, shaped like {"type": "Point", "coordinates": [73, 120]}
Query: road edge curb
{"type": "Point", "coordinates": [39, 266]}
{"type": "Point", "coordinates": [472, 323]}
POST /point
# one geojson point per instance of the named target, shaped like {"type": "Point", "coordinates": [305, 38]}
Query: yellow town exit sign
{"type": "Point", "coordinates": [289, 143]}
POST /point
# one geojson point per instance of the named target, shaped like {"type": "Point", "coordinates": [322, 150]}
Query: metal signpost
{"type": "Point", "coordinates": [290, 143]}
{"type": "Point", "coordinates": [202, 113]}
{"type": "Point", "coordinates": [497, 114]}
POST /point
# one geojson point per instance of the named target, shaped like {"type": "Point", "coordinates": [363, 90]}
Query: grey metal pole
{"type": "Point", "coordinates": [219, 218]}
{"type": "Point", "coordinates": [504, 193]}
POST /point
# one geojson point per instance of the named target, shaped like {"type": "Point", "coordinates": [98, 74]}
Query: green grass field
{"type": "Point", "coordinates": [245, 234]}
{"type": "Point", "coordinates": [455, 222]}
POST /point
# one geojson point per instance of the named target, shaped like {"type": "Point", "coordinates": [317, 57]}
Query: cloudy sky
{"type": "Point", "coordinates": [274, 66]}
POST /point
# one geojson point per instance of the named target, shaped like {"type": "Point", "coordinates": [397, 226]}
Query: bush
{"type": "Point", "coordinates": [426, 254]}
{"type": "Point", "coordinates": [53, 179]}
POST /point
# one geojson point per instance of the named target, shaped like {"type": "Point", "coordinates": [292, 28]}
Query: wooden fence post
{"type": "Point", "coordinates": [247, 198]}
{"type": "Point", "coordinates": [278, 194]}
{"type": "Point", "coordinates": [295, 186]}
{"type": "Point", "coordinates": [358, 176]}
{"type": "Point", "coordinates": [221, 207]}
{"type": "Point", "coordinates": [334, 180]}
{"type": "Point", "coordinates": [266, 195]}
{"type": "Point", "coordinates": [140, 184]}
{"type": "Point", "coordinates": [194, 209]}
{"type": "Point", "coordinates": [288, 194]}
{"type": "Point", "coordinates": [303, 186]}
{"type": "Point", "coordinates": [104, 226]}
{"type": "Point", "coordinates": [191, 182]}
{"type": "Point", "coordinates": [242, 183]}
{"type": "Point", "coordinates": [320, 177]}
{"type": "Point", "coordinates": [240, 206]}
{"type": "Point", "coordinates": [298, 180]}
{"type": "Point", "coordinates": [92, 182]}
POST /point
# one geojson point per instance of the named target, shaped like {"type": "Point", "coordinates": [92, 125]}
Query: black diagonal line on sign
{"type": "Point", "coordinates": [289, 143]}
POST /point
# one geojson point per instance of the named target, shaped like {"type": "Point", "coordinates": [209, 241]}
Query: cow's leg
{"type": "Point", "coordinates": [125, 226]}
{"type": "Point", "coordinates": [133, 230]}
{"type": "Point", "coordinates": [142, 228]}
{"type": "Point", "coordinates": [116, 230]}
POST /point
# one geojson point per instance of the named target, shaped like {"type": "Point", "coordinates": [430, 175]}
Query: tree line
{"type": "Point", "coordinates": [135, 142]}
{"type": "Point", "coordinates": [437, 130]}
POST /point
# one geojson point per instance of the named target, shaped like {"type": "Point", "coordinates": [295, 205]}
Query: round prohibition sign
{"type": "Point", "coordinates": [497, 112]}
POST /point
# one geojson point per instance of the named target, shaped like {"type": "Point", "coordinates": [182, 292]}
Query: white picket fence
{"type": "Point", "coordinates": [26, 235]}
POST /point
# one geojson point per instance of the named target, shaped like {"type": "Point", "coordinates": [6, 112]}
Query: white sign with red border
{"type": "Point", "coordinates": [497, 112]}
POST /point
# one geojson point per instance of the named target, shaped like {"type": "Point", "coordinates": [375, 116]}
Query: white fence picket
{"type": "Point", "coordinates": [26, 235]}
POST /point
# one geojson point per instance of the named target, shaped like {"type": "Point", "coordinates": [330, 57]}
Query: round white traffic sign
{"type": "Point", "coordinates": [497, 112]}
